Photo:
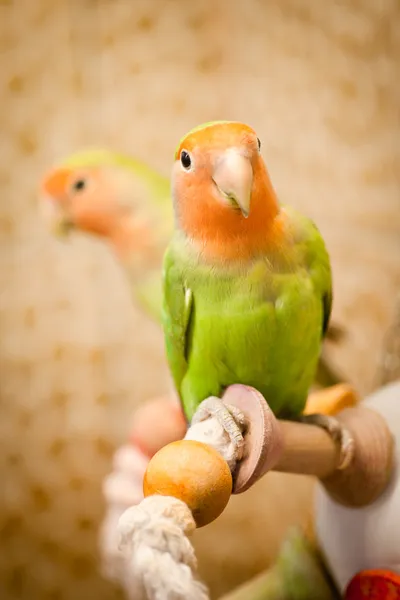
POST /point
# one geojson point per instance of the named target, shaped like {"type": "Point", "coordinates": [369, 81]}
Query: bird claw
{"type": "Point", "coordinates": [231, 419]}
{"type": "Point", "coordinates": [339, 434]}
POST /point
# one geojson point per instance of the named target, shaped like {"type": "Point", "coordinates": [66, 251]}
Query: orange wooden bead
{"type": "Point", "coordinates": [194, 473]}
{"type": "Point", "coordinates": [331, 400]}
{"type": "Point", "coordinates": [157, 423]}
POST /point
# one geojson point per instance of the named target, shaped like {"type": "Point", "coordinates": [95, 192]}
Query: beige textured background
{"type": "Point", "coordinates": [319, 81]}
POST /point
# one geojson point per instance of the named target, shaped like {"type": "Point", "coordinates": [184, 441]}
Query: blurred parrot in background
{"type": "Point", "coordinates": [121, 200]}
{"type": "Point", "coordinates": [247, 282]}
{"type": "Point", "coordinates": [128, 204]}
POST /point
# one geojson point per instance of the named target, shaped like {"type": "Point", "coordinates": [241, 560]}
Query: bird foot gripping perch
{"type": "Point", "coordinates": [188, 484]}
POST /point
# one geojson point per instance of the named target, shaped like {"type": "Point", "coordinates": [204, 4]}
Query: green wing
{"type": "Point", "coordinates": [327, 308]}
{"type": "Point", "coordinates": [315, 257]}
{"type": "Point", "coordinates": [320, 270]}
{"type": "Point", "coordinates": [176, 314]}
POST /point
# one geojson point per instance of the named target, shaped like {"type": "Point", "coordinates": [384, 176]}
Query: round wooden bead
{"type": "Point", "coordinates": [194, 473]}
{"type": "Point", "coordinates": [157, 423]}
{"type": "Point", "coordinates": [374, 585]}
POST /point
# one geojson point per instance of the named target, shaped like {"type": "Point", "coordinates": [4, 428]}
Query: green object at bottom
{"type": "Point", "coordinates": [298, 574]}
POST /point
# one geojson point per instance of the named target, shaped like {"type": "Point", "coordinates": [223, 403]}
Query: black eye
{"type": "Point", "coordinates": [259, 143]}
{"type": "Point", "coordinates": [186, 161]}
{"type": "Point", "coordinates": [79, 185]}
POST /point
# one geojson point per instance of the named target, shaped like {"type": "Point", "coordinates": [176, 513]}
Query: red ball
{"type": "Point", "coordinates": [374, 584]}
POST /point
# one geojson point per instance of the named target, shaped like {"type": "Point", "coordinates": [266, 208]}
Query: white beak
{"type": "Point", "coordinates": [233, 177]}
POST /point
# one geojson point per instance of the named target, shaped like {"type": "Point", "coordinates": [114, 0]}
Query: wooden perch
{"type": "Point", "coordinates": [193, 471]}
{"type": "Point", "coordinates": [293, 447]}
{"type": "Point", "coordinates": [309, 450]}
{"type": "Point", "coordinates": [188, 483]}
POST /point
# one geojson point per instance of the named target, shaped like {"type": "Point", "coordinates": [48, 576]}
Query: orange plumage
{"type": "Point", "coordinates": [224, 232]}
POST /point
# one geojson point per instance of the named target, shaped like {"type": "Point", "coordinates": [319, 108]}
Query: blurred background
{"type": "Point", "coordinates": [319, 82]}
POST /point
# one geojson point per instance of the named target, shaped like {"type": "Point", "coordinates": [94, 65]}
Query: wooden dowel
{"type": "Point", "coordinates": [307, 450]}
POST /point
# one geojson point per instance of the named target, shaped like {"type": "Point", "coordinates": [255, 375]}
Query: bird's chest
{"type": "Point", "coordinates": [243, 291]}
{"type": "Point", "coordinates": [252, 308]}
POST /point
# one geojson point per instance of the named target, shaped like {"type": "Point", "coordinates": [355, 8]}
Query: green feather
{"type": "Point", "coordinates": [260, 324]}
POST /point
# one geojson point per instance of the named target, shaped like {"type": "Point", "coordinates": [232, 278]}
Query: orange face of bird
{"type": "Point", "coordinates": [81, 198]}
{"type": "Point", "coordinates": [220, 184]}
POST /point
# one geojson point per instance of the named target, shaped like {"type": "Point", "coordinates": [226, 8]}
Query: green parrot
{"type": "Point", "coordinates": [247, 283]}
{"type": "Point", "coordinates": [127, 204]}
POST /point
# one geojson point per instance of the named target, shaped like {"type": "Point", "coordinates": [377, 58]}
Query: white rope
{"type": "Point", "coordinates": [122, 489]}
{"type": "Point", "coordinates": [159, 560]}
